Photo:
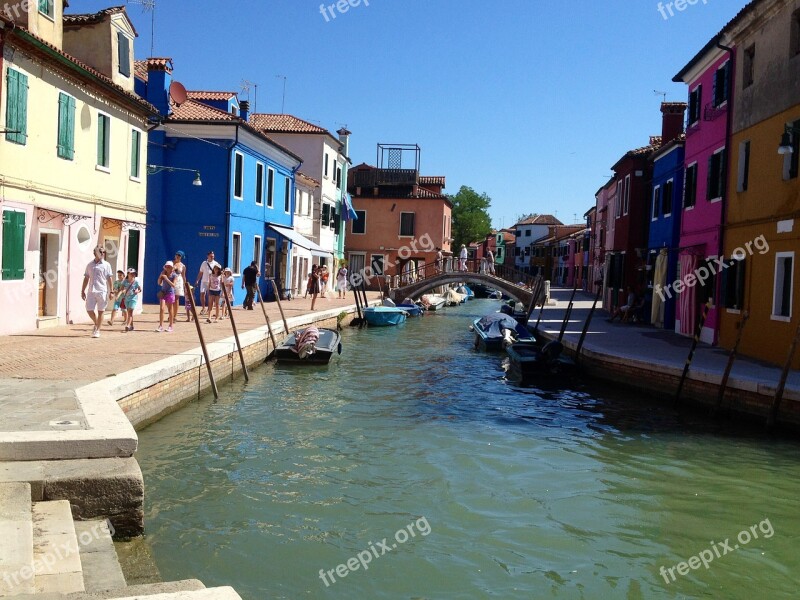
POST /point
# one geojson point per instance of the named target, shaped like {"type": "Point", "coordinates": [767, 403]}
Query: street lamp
{"type": "Point", "coordinates": [153, 169]}
{"type": "Point", "coordinates": [786, 146]}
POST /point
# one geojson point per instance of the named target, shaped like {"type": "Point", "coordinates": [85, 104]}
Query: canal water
{"type": "Point", "coordinates": [412, 456]}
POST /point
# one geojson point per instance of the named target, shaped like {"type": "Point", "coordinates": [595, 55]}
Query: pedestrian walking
{"type": "Point", "coordinates": [323, 280]}
{"type": "Point", "coordinates": [131, 289]}
{"type": "Point", "coordinates": [180, 285]}
{"type": "Point", "coordinates": [490, 262]}
{"type": "Point", "coordinates": [341, 281]}
{"type": "Point", "coordinates": [119, 299]}
{"type": "Point", "coordinates": [203, 276]}
{"type": "Point", "coordinates": [462, 259]}
{"type": "Point", "coordinates": [227, 281]}
{"type": "Point", "coordinates": [439, 260]}
{"type": "Point", "coordinates": [99, 273]}
{"type": "Point", "coordinates": [214, 292]}
{"type": "Point", "coordinates": [250, 283]}
{"type": "Point", "coordinates": [166, 296]}
{"type": "Point", "coordinates": [313, 284]}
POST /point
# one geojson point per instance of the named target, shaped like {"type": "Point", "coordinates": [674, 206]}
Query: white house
{"type": "Point", "coordinates": [527, 231]}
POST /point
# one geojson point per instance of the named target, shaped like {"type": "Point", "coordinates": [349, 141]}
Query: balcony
{"type": "Point", "coordinates": [389, 177]}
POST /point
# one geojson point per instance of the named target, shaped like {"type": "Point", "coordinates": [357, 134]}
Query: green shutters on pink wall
{"type": "Point", "coordinates": [13, 261]}
{"type": "Point", "coordinates": [66, 126]}
{"type": "Point", "coordinates": [16, 107]}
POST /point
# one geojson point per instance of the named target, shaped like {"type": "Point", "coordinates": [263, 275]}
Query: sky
{"type": "Point", "coordinates": [528, 101]}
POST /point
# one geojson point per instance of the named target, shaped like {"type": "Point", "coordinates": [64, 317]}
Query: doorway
{"type": "Point", "coordinates": [48, 274]}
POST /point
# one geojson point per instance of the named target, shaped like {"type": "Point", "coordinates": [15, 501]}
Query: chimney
{"type": "Point", "coordinates": [672, 121]}
{"type": "Point", "coordinates": [159, 79]}
{"type": "Point", "coordinates": [344, 138]}
{"type": "Point", "coordinates": [244, 110]}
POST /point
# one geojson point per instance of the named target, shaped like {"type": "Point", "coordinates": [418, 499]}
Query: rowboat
{"type": "Point", "coordinates": [310, 346]}
{"type": "Point", "coordinates": [384, 316]}
{"type": "Point", "coordinates": [412, 309]}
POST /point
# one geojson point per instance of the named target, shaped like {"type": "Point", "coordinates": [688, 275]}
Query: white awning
{"type": "Point", "coordinates": [302, 241]}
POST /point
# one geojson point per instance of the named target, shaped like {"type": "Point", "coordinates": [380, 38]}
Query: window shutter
{"type": "Point", "coordinates": [13, 262]}
{"type": "Point", "coordinates": [709, 177]}
{"type": "Point", "coordinates": [66, 126]}
{"type": "Point", "coordinates": [7, 244]}
{"type": "Point", "coordinates": [714, 90]}
{"type": "Point", "coordinates": [740, 271]}
{"type": "Point", "coordinates": [16, 106]}
{"type": "Point", "coordinates": [124, 54]}
{"type": "Point", "coordinates": [723, 168]}
{"type": "Point", "coordinates": [101, 127]}
{"type": "Point", "coordinates": [62, 124]}
{"type": "Point", "coordinates": [19, 238]}
{"type": "Point", "coordinates": [71, 127]}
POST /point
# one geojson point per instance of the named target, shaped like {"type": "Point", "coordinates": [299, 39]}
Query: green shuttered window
{"type": "Point", "coordinates": [46, 7]}
{"type": "Point", "coordinates": [103, 140]}
{"type": "Point", "coordinates": [16, 107]}
{"type": "Point", "coordinates": [13, 245]}
{"type": "Point", "coordinates": [66, 126]}
{"type": "Point", "coordinates": [136, 152]}
{"type": "Point", "coordinates": [124, 54]}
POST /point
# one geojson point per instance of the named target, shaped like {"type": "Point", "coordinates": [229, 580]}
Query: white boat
{"type": "Point", "coordinates": [432, 301]}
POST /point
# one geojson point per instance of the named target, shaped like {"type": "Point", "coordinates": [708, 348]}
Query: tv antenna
{"type": "Point", "coordinates": [149, 6]}
{"type": "Point", "coordinates": [245, 86]}
{"type": "Point", "coordinates": [662, 94]}
{"type": "Point", "coordinates": [283, 99]}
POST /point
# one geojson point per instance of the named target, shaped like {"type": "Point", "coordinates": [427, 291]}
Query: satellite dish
{"type": "Point", "coordinates": [177, 93]}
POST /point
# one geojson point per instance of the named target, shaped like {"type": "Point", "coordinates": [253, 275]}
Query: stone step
{"type": "Point", "coordinates": [101, 568]}
{"type": "Point", "coordinates": [219, 593]}
{"type": "Point", "coordinates": [56, 557]}
{"type": "Point", "coordinates": [16, 533]}
{"type": "Point", "coordinates": [136, 591]}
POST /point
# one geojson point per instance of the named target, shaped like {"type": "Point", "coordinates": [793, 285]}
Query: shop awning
{"type": "Point", "coordinates": [302, 241]}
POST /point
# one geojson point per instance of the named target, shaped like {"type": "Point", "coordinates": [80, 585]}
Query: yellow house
{"type": "Point", "coordinates": [762, 228]}
{"type": "Point", "coordinates": [73, 156]}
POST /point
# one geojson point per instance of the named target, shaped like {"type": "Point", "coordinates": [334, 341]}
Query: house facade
{"type": "Point", "coordinates": [243, 211]}
{"type": "Point", "coordinates": [72, 156]}
{"type": "Point", "coordinates": [762, 228]}
{"type": "Point", "coordinates": [503, 238]}
{"type": "Point", "coordinates": [526, 232]}
{"type": "Point", "coordinates": [401, 218]}
{"type": "Point", "coordinates": [709, 79]}
{"type": "Point", "coordinates": [307, 196]}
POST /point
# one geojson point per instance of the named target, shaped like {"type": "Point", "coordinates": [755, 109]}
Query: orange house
{"type": "Point", "coordinates": [403, 218]}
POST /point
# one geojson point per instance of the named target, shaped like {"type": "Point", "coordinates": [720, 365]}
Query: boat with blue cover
{"type": "Point", "coordinates": [384, 316]}
{"type": "Point", "coordinates": [495, 331]}
{"type": "Point", "coordinates": [412, 309]}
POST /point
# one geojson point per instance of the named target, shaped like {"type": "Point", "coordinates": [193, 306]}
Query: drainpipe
{"type": "Point", "coordinates": [728, 153]}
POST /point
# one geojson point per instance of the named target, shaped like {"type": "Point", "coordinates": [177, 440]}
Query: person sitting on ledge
{"type": "Point", "coordinates": [626, 310]}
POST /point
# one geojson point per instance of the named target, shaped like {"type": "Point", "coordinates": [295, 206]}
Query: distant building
{"type": "Point", "coordinates": [503, 239]}
{"type": "Point", "coordinates": [307, 195]}
{"type": "Point", "coordinates": [73, 152]}
{"type": "Point", "coordinates": [527, 230]}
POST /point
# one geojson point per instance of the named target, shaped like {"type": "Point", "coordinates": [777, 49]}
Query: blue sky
{"type": "Point", "coordinates": [526, 100]}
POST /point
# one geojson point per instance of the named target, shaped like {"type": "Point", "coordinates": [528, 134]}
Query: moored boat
{"type": "Point", "coordinates": [432, 301]}
{"type": "Point", "coordinates": [495, 331]}
{"type": "Point", "coordinates": [528, 361]}
{"type": "Point", "coordinates": [453, 298]}
{"type": "Point", "coordinates": [412, 309]}
{"type": "Point", "coordinates": [310, 346]}
{"type": "Point", "coordinates": [466, 292]}
{"type": "Point", "coordinates": [384, 316]}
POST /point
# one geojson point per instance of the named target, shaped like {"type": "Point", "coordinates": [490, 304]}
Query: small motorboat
{"type": "Point", "coordinates": [412, 309]}
{"type": "Point", "coordinates": [496, 331]}
{"type": "Point", "coordinates": [384, 316]}
{"type": "Point", "coordinates": [432, 301]}
{"type": "Point", "coordinates": [453, 298]}
{"type": "Point", "coordinates": [466, 292]}
{"type": "Point", "coordinates": [310, 346]}
{"type": "Point", "coordinates": [528, 361]}
{"type": "Point", "coordinates": [494, 295]}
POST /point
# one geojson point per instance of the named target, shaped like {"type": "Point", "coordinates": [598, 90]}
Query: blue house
{"type": "Point", "coordinates": [215, 183]}
{"type": "Point", "coordinates": [665, 224]}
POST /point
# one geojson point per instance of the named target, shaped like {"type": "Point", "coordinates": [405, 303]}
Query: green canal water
{"type": "Point", "coordinates": [577, 491]}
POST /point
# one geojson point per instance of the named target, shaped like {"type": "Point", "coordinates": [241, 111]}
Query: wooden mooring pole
{"type": "Point", "coordinates": [280, 306]}
{"type": "Point", "coordinates": [776, 403]}
{"type": "Point", "coordinates": [588, 322]}
{"type": "Point", "coordinates": [568, 314]}
{"type": "Point", "coordinates": [189, 293]}
{"type": "Point", "coordinates": [235, 332]}
{"type": "Point", "coordinates": [690, 358]}
{"type": "Point", "coordinates": [269, 326]}
{"type": "Point", "coordinates": [731, 358]}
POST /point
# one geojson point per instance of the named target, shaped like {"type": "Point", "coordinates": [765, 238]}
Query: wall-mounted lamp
{"type": "Point", "coordinates": [153, 169]}
{"type": "Point", "coordinates": [786, 146]}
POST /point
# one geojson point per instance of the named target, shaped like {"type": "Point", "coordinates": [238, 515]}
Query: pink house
{"type": "Point", "coordinates": [708, 76]}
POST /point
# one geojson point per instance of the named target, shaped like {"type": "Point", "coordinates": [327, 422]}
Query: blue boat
{"type": "Point", "coordinates": [384, 316]}
{"type": "Point", "coordinates": [412, 309]}
{"type": "Point", "coordinates": [466, 291]}
{"type": "Point", "coordinates": [496, 331]}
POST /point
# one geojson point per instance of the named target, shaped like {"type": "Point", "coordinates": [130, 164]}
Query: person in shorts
{"type": "Point", "coordinates": [99, 273]}
{"type": "Point", "coordinates": [214, 292]}
{"type": "Point", "coordinates": [119, 297]}
{"type": "Point", "coordinates": [131, 289]}
{"type": "Point", "coordinates": [166, 296]}
{"type": "Point", "coordinates": [203, 275]}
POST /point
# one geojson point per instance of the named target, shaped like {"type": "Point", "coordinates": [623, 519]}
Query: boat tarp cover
{"type": "Point", "coordinates": [494, 324]}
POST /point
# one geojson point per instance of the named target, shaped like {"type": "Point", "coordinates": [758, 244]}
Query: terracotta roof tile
{"type": "Point", "coordinates": [274, 123]}
{"type": "Point", "coordinates": [193, 110]}
{"type": "Point", "coordinates": [307, 179]}
{"type": "Point", "coordinates": [432, 180]}
{"type": "Point", "coordinates": [539, 220]}
{"type": "Point", "coordinates": [142, 67]}
{"type": "Point", "coordinates": [204, 95]}
{"type": "Point", "coordinates": [91, 18]}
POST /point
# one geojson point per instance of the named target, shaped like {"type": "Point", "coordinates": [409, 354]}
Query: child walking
{"type": "Point", "coordinates": [227, 281]}
{"type": "Point", "coordinates": [131, 290]}
{"type": "Point", "coordinates": [214, 292]}
{"type": "Point", "coordinates": [119, 297]}
{"type": "Point", "coordinates": [167, 296]}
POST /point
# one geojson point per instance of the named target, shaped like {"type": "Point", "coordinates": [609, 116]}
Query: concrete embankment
{"type": "Point", "coordinates": [652, 361]}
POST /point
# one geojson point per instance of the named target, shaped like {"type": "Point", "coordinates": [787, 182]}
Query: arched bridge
{"type": "Point", "coordinates": [416, 283]}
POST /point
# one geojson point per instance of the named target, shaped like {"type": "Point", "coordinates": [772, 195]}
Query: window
{"type": "Point", "coordinates": [782, 290]}
{"type": "Point", "coordinates": [66, 126]}
{"type": "Point", "coordinates": [326, 214]}
{"type": "Point", "coordinates": [238, 175]}
{"type": "Point", "coordinates": [695, 103]}
{"type": "Point", "coordinates": [794, 43]}
{"type": "Point", "coordinates": [13, 245]}
{"type": "Point", "coordinates": [298, 202]}
{"type": "Point", "coordinates": [339, 178]}
{"type": "Point", "coordinates": [47, 8]}
{"type": "Point", "coordinates": [103, 140]}
{"type": "Point", "coordinates": [744, 167]}
{"type": "Point", "coordinates": [656, 210]}
{"type": "Point", "coordinates": [326, 164]}
{"type": "Point", "coordinates": [626, 201]}
{"type": "Point", "coordinates": [707, 290]}
{"type": "Point", "coordinates": [257, 249]}
{"type": "Point", "coordinates": [136, 153]}
{"type": "Point", "coordinates": [236, 253]}
{"type": "Point", "coordinates": [667, 197]}
{"type": "Point", "coordinates": [721, 84]}
{"type": "Point", "coordinates": [748, 66]}
{"type": "Point", "coordinates": [16, 106]}
{"type": "Point", "coordinates": [716, 175]}
{"type": "Point", "coordinates": [124, 54]}
{"type": "Point", "coordinates": [336, 220]}
{"type": "Point", "coordinates": [733, 285]}
{"type": "Point", "coordinates": [259, 184]}
{"type": "Point", "coordinates": [690, 186]}
{"type": "Point", "coordinates": [270, 187]}
{"type": "Point", "coordinates": [618, 201]}
{"type": "Point", "coordinates": [407, 224]}
{"type": "Point", "coordinates": [790, 161]}
{"type": "Point", "coordinates": [360, 223]}
{"type": "Point", "coordinates": [287, 196]}
{"type": "Point", "coordinates": [527, 233]}
{"type": "Point", "coordinates": [516, 251]}
{"type": "Point", "coordinates": [377, 264]}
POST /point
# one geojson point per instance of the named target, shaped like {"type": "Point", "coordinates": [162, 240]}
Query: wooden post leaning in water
{"type": "Point", "coordinates": [776, 403]}
{"type": "Point", "coordinates": [568, 313]}
{"type": "Point", "coordinates": [690, 358]}
{"type": "Point", "coordinates": [189, 293]}
{"type": "Point", "coordinates": [731, 357]}
{"type": "Point", "coordinates": [280, 306]}
{"type": "Point", "coordinates": [588, 322]}
{"type": "Point", "coordinates": [235, 332]}
{"type": "Point", "coordinates": [269, 326]}
{"type": "Point", "coordinates": [536, 288]}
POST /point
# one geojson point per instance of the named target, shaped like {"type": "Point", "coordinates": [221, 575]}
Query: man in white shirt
{"type": "Point", "coordinates": [100, 274]}
{"type": "Point", "coordinates": [203, 275]}
{"type": "Point", "coordinates": [490, 261]}
{"type": "Point", "coordinates": [462, 259]}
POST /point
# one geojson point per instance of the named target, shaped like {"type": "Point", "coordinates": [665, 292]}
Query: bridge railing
{"type": "Point", "coordinates": [451, 264]}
